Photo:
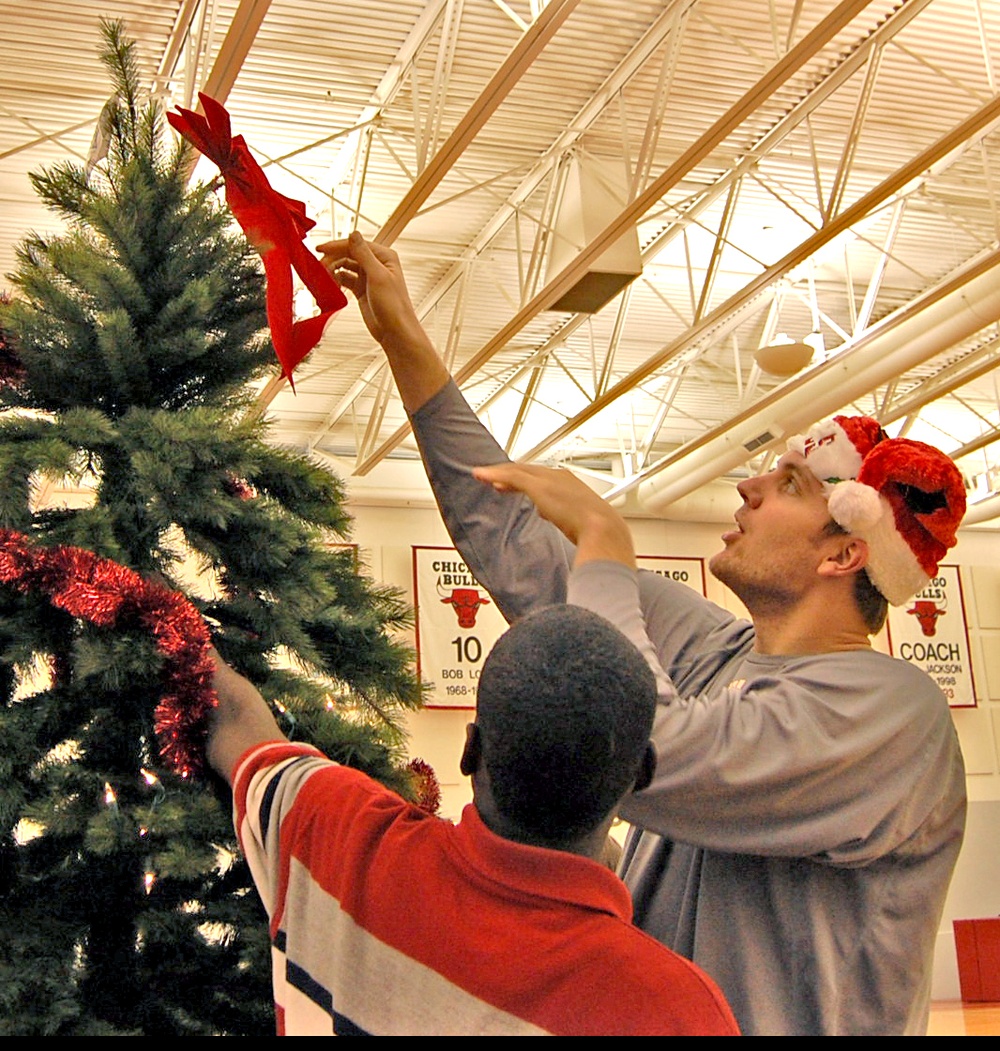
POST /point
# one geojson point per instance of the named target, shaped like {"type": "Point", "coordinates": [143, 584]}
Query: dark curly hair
{"type": "Point", "coordinates": [565, 710]}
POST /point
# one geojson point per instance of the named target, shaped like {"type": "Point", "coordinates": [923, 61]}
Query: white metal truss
{"type": "Point", "coordinates": [808, 167]}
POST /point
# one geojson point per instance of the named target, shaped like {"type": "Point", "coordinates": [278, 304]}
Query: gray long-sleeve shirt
{"type": "Point", "coordinates": [806, 813]}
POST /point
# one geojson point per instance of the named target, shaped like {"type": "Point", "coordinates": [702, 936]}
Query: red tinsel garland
{"type": "Point", "coordinates": [427, 786]}
{"type": "Point", "coordinates": [107, 594]}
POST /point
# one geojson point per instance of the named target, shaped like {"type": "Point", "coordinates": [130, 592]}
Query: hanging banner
{"type": "Point", "coordinates": [457, 625]}
{"type": "Point", "coordinates": [930, 631]}
{"type": "Point", "coordinates": [458, 622]}
{"type": "Point", "coordinates": [690, 571]}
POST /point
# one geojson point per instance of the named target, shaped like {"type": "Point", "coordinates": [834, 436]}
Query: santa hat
{"type": "Point", "coordinates": [905, 499]}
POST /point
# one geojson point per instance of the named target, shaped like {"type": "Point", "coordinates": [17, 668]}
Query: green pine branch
{"type": "Point", "coordinates": [132, 343]}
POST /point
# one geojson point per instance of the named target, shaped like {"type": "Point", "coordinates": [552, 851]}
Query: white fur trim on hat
{"type": "Point", "coordinates": [892, 566]}
{"type": "Point", "coordinates": [854, 506]}
{"type": "Point", "coordinates": [905, 499]}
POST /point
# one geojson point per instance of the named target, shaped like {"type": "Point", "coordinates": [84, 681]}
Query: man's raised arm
{"type": "Point", "coordinates": [603, 578]}
{"type": "Point", "coordinates": [596, 530]}
{"type": "Point", "coordinates": [521, 560]}
{"type": "Point", "coordinates": [372, 272]}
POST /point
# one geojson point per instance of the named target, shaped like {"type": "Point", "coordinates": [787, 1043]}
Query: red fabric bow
{"type": "Point", "coordinates": [275, 226]}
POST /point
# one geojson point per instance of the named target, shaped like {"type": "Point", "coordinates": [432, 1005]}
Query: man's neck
{"type": "Point", "coordinates": [590, 845]}
{"type": "Point", "coordinates": [809, 627]}
{"type": "Point", "coordinates": [793, 642]}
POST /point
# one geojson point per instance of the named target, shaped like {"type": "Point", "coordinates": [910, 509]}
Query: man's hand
{"type": "Point", "coordinates": [587, 521]}
{"type": "Point", "coordinates": [241, 721]}
{"type": "Point", "coordinates": [373, 273]}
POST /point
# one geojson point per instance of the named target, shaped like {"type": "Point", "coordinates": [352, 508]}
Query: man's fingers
{"type": "Point", "coordinates": [558, 495]}
{"type": "Point", "coordinates": [354, 283]}
{"type": "Point", "coordinates": [535, 482]}
{"type": "Point", "coordinates": [368, 252]}
{"type": "Point", "coordinates": [504, 477]}
{"type": "Point", "coordinates": [335, 263]}
{"type": "Point", "coordinates": [356, 254]}
{"type": "Point", "coordinates": [354, 249]}
{"type": "Point", "coordinates": [524, 472]}
{"type": "Point", "coordinates": [345, 272]}
{"type": "Point", "coordinates": [340, 247]}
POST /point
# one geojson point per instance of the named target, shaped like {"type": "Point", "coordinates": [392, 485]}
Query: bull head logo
{"type": "Point", "coordinates": [466, 602]}
{"type": "Point", "coordinates": [927, 613]}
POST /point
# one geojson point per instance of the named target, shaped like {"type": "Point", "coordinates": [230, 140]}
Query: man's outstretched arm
{"type": "Point", "coordinates": [241, 721]}
{"type": "Point", "coordinates": [516, 555]}
{"type": "Point", "coordinates": [596, 530]}
{"type": "Point", "coordinates": [604, 578]}
{"type": "Point", "coordinates": [372, 272]}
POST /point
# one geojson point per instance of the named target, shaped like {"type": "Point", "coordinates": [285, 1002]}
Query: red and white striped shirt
{"type": "Point", "coordinates": [387, 921]}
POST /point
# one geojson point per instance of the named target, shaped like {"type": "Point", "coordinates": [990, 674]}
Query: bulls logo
{"type": "Point", "coordinates": [927, 613]}
{"type": "Point", "coordinates": [466, 603]}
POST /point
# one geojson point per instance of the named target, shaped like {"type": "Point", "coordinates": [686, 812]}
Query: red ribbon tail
{"type": "Point", "coordinates": [320, 282]}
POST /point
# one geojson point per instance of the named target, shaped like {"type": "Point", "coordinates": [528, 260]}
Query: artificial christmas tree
{"type": "Point", "coordinates": [127, 348]}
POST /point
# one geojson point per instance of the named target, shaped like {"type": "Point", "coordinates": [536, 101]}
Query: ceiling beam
{"type": "Point", "coordinates": [988, 438]}
{"type": "Point", "coordinates": [770, 140]}
{"type": "Point", "coordinates": [503, 81]}
{"type": "Point", "coordinates": [976, 364]}
{"type": "Point", "coordinates": [976, 124]}
{"type": "Point", "coordinates": [767, 85]}
{"type": "Point", "coordinates": [175, 42]}
{"type": "Point", "coordinates": [668, 26]}
{"type": "Point", "coordinates": [235, 47]}
{"type": "Point", "coordinates": [232, 54]}
{"type": "Point", "coordinates": [941, 316]}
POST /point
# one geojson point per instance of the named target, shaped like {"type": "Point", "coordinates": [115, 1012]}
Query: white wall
{"type": "Point", "coordinates": [385, 534]}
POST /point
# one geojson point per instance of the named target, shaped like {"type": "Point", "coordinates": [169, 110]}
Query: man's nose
{"type": "Point", "coordinates": [750, 490]}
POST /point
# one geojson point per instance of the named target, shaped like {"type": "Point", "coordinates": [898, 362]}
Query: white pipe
{"type": "Point", "coordinates": [898, 343]}
{"type": "Point", "coordinates": [982, 511]}
{"type": "Point", "coordinates": [715, 502]}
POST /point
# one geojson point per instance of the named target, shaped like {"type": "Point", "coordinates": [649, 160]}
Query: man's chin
{"type": "Point", "coordinates": [717, 565]}
{"type": "Point", "coordinates": [722, 567]}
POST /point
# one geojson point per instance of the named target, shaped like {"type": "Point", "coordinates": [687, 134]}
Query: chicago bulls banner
{"type": "Point", "coordinates": [930, 631]}
{"type": "Point", "coordinates": [458, 622]}
{"type": "Point", "coordinates": [457, 625]}
{"type": "Point", "coordinates": [690, 571]}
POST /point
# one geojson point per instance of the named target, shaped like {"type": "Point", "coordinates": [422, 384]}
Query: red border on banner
{"type": "Point", "coordinates": [703, 590]}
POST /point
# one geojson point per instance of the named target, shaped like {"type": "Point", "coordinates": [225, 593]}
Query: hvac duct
{"type": "Point", "coordinates": [715, 502]}
{"type": "Point", "coordinates": [938, 320]}
{"type": "Point", "coordinates": [982, 511]}
{"type": "Point", "coordinates": [594, 195]}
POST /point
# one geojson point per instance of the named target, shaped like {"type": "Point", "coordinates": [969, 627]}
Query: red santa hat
{"type": "Point", "coordinates": [905, 499]}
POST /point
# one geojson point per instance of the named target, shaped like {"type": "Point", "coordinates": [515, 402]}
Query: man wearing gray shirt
{"type": "Point", "coordinates": [809, 799]}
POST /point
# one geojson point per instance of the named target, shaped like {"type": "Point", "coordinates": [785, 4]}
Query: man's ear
{"type": "Point", "coordinates": [849, 556]}
{"type": "Point", "coordinates": [472, 753]}
{"type": "Point", "coordinates": [647, 768]}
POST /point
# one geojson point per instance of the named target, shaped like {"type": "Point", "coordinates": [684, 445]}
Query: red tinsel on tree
{"type": "Point", "coordinates": [428, 789]}
{"type": "Point", "coordinates": [107, 594]}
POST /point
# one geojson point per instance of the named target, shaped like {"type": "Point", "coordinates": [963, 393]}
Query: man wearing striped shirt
{"type": "Point", "coordinates": [386, 920]}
